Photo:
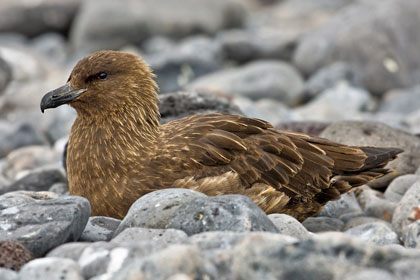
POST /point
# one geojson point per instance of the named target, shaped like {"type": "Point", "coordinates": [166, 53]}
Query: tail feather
{"type": "Point", "coordinates": [379, 157]}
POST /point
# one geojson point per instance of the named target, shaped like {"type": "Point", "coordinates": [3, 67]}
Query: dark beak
{"type": "Point", "coordinates": [60, 96]}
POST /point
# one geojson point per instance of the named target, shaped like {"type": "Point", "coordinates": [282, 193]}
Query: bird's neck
{"type": "Point", "coordinates": [103, 151]}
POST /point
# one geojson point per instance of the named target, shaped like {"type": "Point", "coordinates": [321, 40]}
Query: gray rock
{"type": "Point", "coordinates": [16, 136]}
{"type": "Point", "coordinates": [42, 220]}
{"type": "Point", "coordinates": [31, 18]}
{"type": "Point", "coordinates": [288, 225]}
{"type": "Point", "coordinates": [156, 209]}
{"type": "Point", "coordinates": [244, 45]}
{"type": "Point", "coordinates": [406, 269]}
{"type": "Point", "coordinates": [387, 63]}
{"type": "Point", "coordinates": [52, 46]}
{"type": "Point", "coordinates": [256, 80]}
{"type": "Point", "coordinates": [330, 76]}
{"type": "Point", "coordinates": [368, 274]}
{"type": "Point", "coordinates": [407, 210]}
{"type": "Point", "coordinates": [99, 229]}
{"type": "Point", "coordinates": [8, 274]}
{"type": "Point", "coordinates": [179, 64]}
{"type": "Point", "coordinates": [51, 268]}
{"type": "Point", "coordinates": [374, 204]}
{"type": "Point", "coordinates": [411, 235]}
{"type": "Point", "coordinates": [163, 236]}
{"type": "Point", "coordinates": [401, 101]}
{"type": "Point", "coordinates": [135, 21]}
{"type": "Point", "coordinates": [174, 260]}
{"type": "Point", "coordinates": [320, 224]}
{"type": "Point", "coordinates": [184, 103]}
{"type": "Point", "coordinates": [313, 128]}
{"type": "Point", "coordinates": [5, 74]}
{"type": "Point", "coordinates": [71, 250]}
{"type": "Point", "coordinates": [60, 188]}
{"type": "Point", "coordinates": [359, 133]}
{"type": "Point", "coordinates": [361, 220]}
{"type": "Point", "coordinates": [221, 240]}
{"type": "Point", "coordinates": [40, 180]}
{"type": "Point", "coordinates": [58, 122]}
{"type": "Point", "coordinates": [338, 103]}
{"type": "Point", "coordinates": [20, 161]}
{"type": "Point", "coordinates": [378, 232]}
{"type": "Point", "coordinates": [347, 203]}
{"type": "Point", "coordinates": [395, 191]}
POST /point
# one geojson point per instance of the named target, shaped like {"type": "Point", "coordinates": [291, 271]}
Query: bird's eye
{"type": "Point", "coordinates": [102, 75]}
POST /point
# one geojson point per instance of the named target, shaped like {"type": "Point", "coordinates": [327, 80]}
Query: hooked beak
{"type": "Point", "coordinates": [60, 96]}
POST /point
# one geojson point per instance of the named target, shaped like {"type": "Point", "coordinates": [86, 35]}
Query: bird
{"type": "Point", "coordinates": [118, 151]}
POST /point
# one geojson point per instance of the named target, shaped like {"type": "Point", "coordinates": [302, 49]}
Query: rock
{"type": "Point", "coordinates": [156, 209]}
{"type": "Point", "coordinates": [16, 136]}
{"type": "Point", "coordinates": [164, 236]}
{"type": "Point", "coordinates": [134, 21]}
{"type": "Point", "coordinates": [60, 188]}
{"type": "Point", "coordinates": [8, 274]}
{"type": "Point", "coordinates": [360, 220]}
{"type": "Point", "coordinates": [401, 101]}
{"type": "Point", "coordinates": [35, 17]}
{"type": "Point", "coordinates": [395, 191]}
{"type": "Point", "coordinates": [222, 240]}
{"type": "Point", "coordinates": [313, 128]}
{"type": "Point", "coordinates": [51, 268]}
{"type": "Point", "coordinates": [40, 180]}
{"type": "Point", "coordinates": [360, 133]}
{"type": "Point", "coordinates": [178, 64]}
{"type": "Point", "coordinates": [5, 74]}
{"type": "Point", "coordinates": [387, 63]}
{"type": "Point", "coordinates": [13, 255]}
{"type": "Point", "coordinates": [407, 211]}
{"type": "Point", "coordinates": [374, 204]}
{"type": "Point", "coordinates": [378, 232]}
{"type": "Point", "coordinates": [368, 274]}
{"type": "Point", "coordinates": [338, 103]}
{"type": "Point", "coordinates": [71, 250]}
{"type": "Point", "coordinates": [266, 109]}
{"type": "Point", "coordinates": [51, 45]}
{"type": "Point", "coordinates": [244, 45]}
{"type": "Point", "coordinates": [411, 235]}
{"type": "Point", "coordinates": [288, 225]}
{"type": "Point", "coordinates": [58, 122]}
{"type": "Point", "coordinates": [42, 220]}
{"type": "Point", "coordinates": [345, 204]}
{"type": "Point", "coordinates": [174, 260]}
{"type": "Point", "coordinates": [194, 214]}
{"type": "Point", "coordinates": [320, 224]}
{"type": "Point", "coordinates": [256, 80]}
{"type": "Point", "coordinates": [19, 162]}
{"type": "Point", "coordinates": [99, 229]}
{"type": "Point", "coordinates": [406, 269]}
{"type": "Point", "coordinates": [330, 76]}
{"type": "Point", "coordinates": [184, 103]}
{"type": "Point", "coordinates": [413, 120]}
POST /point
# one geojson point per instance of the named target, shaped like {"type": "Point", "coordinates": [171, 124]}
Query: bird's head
{"type": "Point", "coordinates": [106, 82]}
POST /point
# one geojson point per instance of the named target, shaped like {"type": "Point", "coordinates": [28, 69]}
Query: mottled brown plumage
{"type": "Point", "coordinates": [118, 151]}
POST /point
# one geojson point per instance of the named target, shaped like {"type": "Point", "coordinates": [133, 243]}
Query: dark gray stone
{"type": "Point", "coordinates": [347, 203]}
{"type": "Point", "coordinates": [51, 268]}
{"type": "Point", "coordinates": [386, 27]}
{"type": "Point", "coordinates": [330, 76]}
{"type": "Point", "coordinates": [320, 224]}
{"type": "Point", "coordinates": [395, 191]}
{"type": "Point", "coordinates": [16, 136]}
{"type": "Point", "coordinates": [375, 134]}
{"type": "Point", "coordinates": [33, 18]}
{"type": "Point", "coordinates": [134, 21]}
{"type": "Point", "coordinates": [163, 236]}
{"type": "Point", "coordinates": [407, 210]}
{"type": "Point", "coordinates": [411, 235]}
{"type": "Point", "coordinates": [40, 180]}
{"type": "Point", "coordinates": [288, 225]}
{"type": "Point", "coordinates": [256, 80]}
{"type": "Point", "coordinates": [99, 229]}
{"type": "Point", "coordinates": [183, 103]}
{"type": "Point", "coordinates": [379, 233]}
{"type": "Point", "coordinates": [42, 220]}
{"type": "Point", "coordinates": [60, 188]}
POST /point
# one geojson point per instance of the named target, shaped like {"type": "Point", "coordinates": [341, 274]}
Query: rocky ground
{"type": "Point", "coordinates": [347, 70]}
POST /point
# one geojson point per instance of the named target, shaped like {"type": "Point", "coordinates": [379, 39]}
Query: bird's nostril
{"type": "Point", "coordinates": [54, 96]}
